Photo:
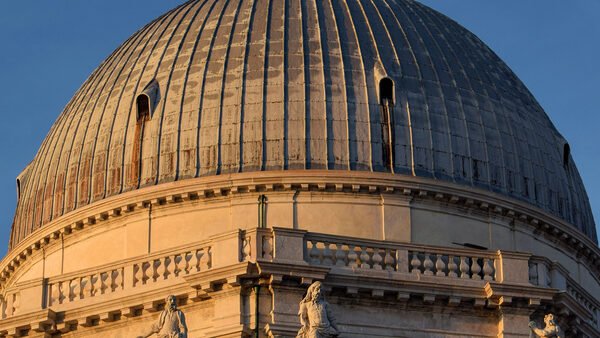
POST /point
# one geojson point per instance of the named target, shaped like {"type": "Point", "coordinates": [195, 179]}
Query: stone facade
{"type": "Point", "coordinates": [107, 270]}
{"type": "Point", "coordinates": [232, 153]}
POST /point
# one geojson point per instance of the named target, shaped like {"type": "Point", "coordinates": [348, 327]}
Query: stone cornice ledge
{"type": "Point", "coordinates": [301, 180]}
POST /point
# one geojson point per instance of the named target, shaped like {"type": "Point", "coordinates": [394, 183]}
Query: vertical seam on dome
{"type": "Point", "coordinates": [96, 83]}
{"type": "Point", "coordinates": [443, 97]}
{"type": "Point", "coordinates": [385, 63]}
{"type": "Point", "coordinates": [403, 95]}
{"type": "Point", "coordinates": [108, 96]}
{"type": "Point", "coordinates": [426, 107]}
{"type": "Point", "coordinates": [425, 13]}
{"type": "Point", "coordinates": [243, 85]}
{"type": "Point", "coordinates": [118, 105]}
{"type": "Point", "coordinates": [265, 82]}
{"type": "Point", "coordinates": [184, 87]}
{"type": "Point", "coordinates": [348, 13]}
{"type": "Point", "coordinates": [286, 18]}
{"type": "Point", "coordinates": [41, 164]}
{"type": "Point", "coordinates": [421, 79]}
{"type": "Point", "coordinates": [324, 61]}
{"type": "Point", "coordinates": [344, 98]}
{"type": "Point", "coordinates": [201, 103]}
{"type": "Point", "coordinates": [472, 93]}
{"type": "Point", "coordinates": [173, 13]}
{"type": "Point", "coordinates": [185, 82]}
{"type": "Point", "coordinates": [89, 121]}
{"type": "Point", "coordinates": [368, 73]}
{"type": "Point", "coordinates": [168, 82]}
{"type": "Point", "coordinates": [306, 69]}
{"type": "Point", "coordinates": [159, 64]}
{"type": "Point", "coordinates": [225, 65]}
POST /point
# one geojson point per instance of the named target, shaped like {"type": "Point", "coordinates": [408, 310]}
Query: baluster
{"type": "Point", "coordinates": [364, 258]}
{"type": "Point", "coordinates": [415, 264]}
{"type": "Point", "coordinates": [452, 267]}
{"type": "Point", "coordinates": [9, 305]}
{"type": "Point", "coordinates": [327, 255]}
{"type": "Point", "coordinates": [314, 254]}
{"type": "Point", "coordinates": [169, 267]}
{"type": "Point", "coordinates": [440, 266]}
{"type": "Point", "coordinates": [267, 247]}
{"type": "Point", "coordinates": [86, 288]}
{"type": "Point", "coordinates": [75, 290]}
{"type": "Point", "coordinates": [95, 284]}
{"type": "Point", "coordinates": [194, 261]}
{"type": "Point", "coordinates": [16, 303]}
{"type": "Point", "coordinates": [487, 270]}
{"type": "Point", "coordinates": [119, 279]}
{"type": "Point", "coordinates": [428, 265]}
{"type": "Point", "coordinates": [464, 267]}
{"type": "Point", "coordinates": [206, 259]}
{"type": "Point", "coordinates": [62, 292]}
{"type": "Point", "coordinates": [147, 272]}
{"type": "Point", "coordinates": [104, 282]}
{"type": "Point", "coordinates": [160, 269]}
{"type": "Point", "coordinates": [389, 261]}
{"type": "Point", "coordinates": [475, 269]}
{"type": "Point", "coordinates": [377, 259]}
{"type": "Point", "coordinates": [352, 257]}
{"type": "Point", "coordinates": [340, 255]}
{"type": "Point", "coordinates": [137, 274]}
{"type": "Point", "coordinates": [177, 264]}
{"type": "Point", "coordinates": [246, 249]}
{"type": "Point", "coordinates": [54, 293]}
{"type": "Point", "coordinates": [533, 273]}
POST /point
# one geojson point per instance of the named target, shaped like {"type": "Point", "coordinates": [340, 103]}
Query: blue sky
{"type": "Point", "coordinates": [48, 48]}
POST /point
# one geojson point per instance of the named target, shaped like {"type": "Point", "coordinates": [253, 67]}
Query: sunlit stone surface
{"type": "Point", "coordinates": [232, 153]}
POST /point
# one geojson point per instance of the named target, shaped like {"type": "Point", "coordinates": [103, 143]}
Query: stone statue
{"type": "Point", "coordinates": [316, 316]}
{"type": "Point", "coordinates": [552, 330]}
{"type": "Point", "coordinates": [171, 322]}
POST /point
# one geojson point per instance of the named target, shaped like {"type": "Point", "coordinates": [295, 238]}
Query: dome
{"type": "Point", "coordinates": [223, 87]}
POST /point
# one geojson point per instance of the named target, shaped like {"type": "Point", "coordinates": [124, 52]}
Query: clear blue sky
{"type": "Point", "coordinates": [48, 48]}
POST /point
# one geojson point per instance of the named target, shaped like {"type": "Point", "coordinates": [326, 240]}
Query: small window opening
{"type": "Point", "coordinates": [143, 107]}
{"type": "Point", "coordinates": [386, 92]}
{"type": "Point", "coordinates": [18, 189]}
{"type": "Point", "coordinates": [143, 115]}
{"type": "Point", "coordinates": [566, 155]}
{"type": "Point", "coordinates": [262, 211]}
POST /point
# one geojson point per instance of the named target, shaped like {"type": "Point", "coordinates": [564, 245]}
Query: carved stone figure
{"type": "Point", "coordinates": [315, 315]}
{"type": "Point", "coordinates": [552, 330]}
{"type": "Point", "coordinates": [171, 322]}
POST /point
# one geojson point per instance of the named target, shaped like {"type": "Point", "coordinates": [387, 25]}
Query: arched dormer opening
{"type": "Point", "coordinates": [18, 189]}
{"type": "Point", "coordinates": [386, 101]}
{"type": "Point", "coordinates": [386, 91]}
{"type": "Point", "coordinates": [145, 104]}
{"type": "Point", "coordinates": [566, 155]}
{"type": "Point", "coordinates": [143, 107]}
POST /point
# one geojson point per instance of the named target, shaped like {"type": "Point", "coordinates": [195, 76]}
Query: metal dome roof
{"type": "Point", "coordinates": [243, 85]}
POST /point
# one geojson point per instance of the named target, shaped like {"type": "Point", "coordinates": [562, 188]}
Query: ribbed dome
{"type": "Point", "coordinates": [243, 85]}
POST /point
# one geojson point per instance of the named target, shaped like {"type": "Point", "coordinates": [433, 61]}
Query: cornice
{"type": "Point", "coordinates": [226, 186]}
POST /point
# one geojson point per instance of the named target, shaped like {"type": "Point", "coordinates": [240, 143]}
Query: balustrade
{"type": "Point", "coordinates": [83, 287]}
{"type": "Point", "coordinates": [351, 255]}
{"type": "Point", "coordinates": [168, 267]}
{"type": "Point", "coordinates": [322, 250]}
{"type": "Point", "coordinates": [152, 270]}
{"type": "Point", "coordinates": [9, 304]}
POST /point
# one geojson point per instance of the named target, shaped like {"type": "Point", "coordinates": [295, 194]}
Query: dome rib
{"type": "Point", "coordinates": [255, 85]}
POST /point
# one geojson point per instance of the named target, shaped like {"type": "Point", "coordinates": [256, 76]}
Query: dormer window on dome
{"type": "Point", "coordinates": [566, 155]}
{"type": "Point", "coordinates": [386, 100]}
{"type": "Point", "coordinates": [147, 101]}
